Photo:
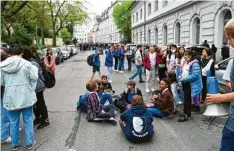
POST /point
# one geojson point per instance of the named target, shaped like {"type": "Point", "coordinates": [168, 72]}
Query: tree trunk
{"type": "Point", "coordinates": [54, 34]}
{"type": "Point", "coordinates": [42, 37]}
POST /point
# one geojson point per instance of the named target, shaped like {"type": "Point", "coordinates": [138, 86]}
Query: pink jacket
{"type": "Point", "coordinates": [52, 65]}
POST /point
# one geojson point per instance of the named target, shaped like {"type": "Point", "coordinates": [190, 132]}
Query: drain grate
{"type": "Point", "coordinates": [79, 60]}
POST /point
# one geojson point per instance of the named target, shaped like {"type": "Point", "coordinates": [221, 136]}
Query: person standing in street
{"type": "Point", "coordinates": [208, 69]}
{"type": "Point", "coordinates": [214, 50]}
{"type": "Point", "coordinates": [139, 64]}
{"type": "Point", "coordinates": [191, 82]}
{"type": "Point", "coordinates": [109, 62]}
{"type": "Point", "coordinates": [171, 58]}
{"type": "Point", "coordinates": [96, 64]}
{"type": "Point", "coordinates": [121, 59]}
{"type": "Point", "coordinates": [225, 51]}
{"type": "Point", "coordinates": [129, 57]}
{"type": "Point", "coordinates": [115, 54]}
{"type": "Point", "coordinates": [227, 142]}
{"type": "Point", "coordinates": [49, 60]}
{"type": "Point", "coordinates": [161, 63]}
{"type": "Point", "coordinates": [205, 44]}
{"type": "Point", "coordinates": [150, 65]}
{"type": "Point", "coordinates": [40, 108]}
{"type": "Point", "coordinates": [5, 123]}
{"type": "Point", "coordinates": [19, 77]}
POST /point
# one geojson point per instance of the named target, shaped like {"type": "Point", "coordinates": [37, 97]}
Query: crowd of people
{"type": "Point", "coordinates": [22, 86]}
{"type": "Point", "coordinates": [182, 78]}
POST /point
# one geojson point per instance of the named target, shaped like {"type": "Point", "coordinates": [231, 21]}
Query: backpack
{"type": "Point", "coordinates": [82, 104]}
{"type": "Point", "coordinates": [49, 78]}
{"type": "Point", "coordinates": [90, 60]}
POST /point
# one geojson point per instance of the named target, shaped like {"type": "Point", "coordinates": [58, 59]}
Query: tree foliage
{"type": "Point", "coordinates": [122, 18]}
{"type": "Point", "coordinates": [66, 36]}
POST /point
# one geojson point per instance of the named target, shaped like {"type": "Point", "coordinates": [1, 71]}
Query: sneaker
{"type": "Point", "coordinates": [15, 148]}
{"type": "Point", "coordinates": [183, 118]}
{"type": "Point", "coordinates": [157, 79]}
{"type": "Point", "coordinates": [43, 124]}
{"type": "Point", "coordinates": [141, 81]}
{"type": "Point", "coordinates": [8, 140]}
{"type": "Point", "coordinates": [121, 72]}
{"type": "Point", "coordinates": [112, 121]}
{"type": "Point", "coordinates": [147, 90]}
{"type": "Point", "coordinates": [130, 79]}
{"type": "Point", "coordinates": [152, 90]}
{"type": "Point", "coordinates": [117, 71]}
{"type": "Point", "coordinates": [30, 147]}
{"type": "Point", "coordinates": [110, 81]}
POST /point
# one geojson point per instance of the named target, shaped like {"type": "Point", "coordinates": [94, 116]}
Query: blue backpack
{"type": "Point", "coordinates": [83, 102]}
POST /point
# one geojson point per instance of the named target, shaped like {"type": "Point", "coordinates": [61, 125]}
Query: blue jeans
{"type": "Point", "coordinates": [121, 64]}
{"type": "Point", "coordinates": [156, 112]}
{"type": "Point", "coordinates": [5, 123]}
{"type": "Point", "coordinates": [106, 96]}
{"type": "Point", "coordinates": [14, 117]}
{"type": "Point", "coordinates": [227, 143]}
{"type": "Point", "coordinates": [139, 72]}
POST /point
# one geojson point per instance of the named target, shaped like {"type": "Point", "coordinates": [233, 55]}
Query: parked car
{"type": "Point", "coordinates": [220, 69]}
{"type": "Point", "coordinates": [74, 50]}
{"type": "Point", "coordinates": [5, 46]}
{"type": "Point", "coordinates": [59, 56]}
{"type": "Point", "coordinates": [66, 52]}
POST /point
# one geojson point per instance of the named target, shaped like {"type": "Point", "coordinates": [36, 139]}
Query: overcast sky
{"type": "Point", "coordinates": [97, 7]}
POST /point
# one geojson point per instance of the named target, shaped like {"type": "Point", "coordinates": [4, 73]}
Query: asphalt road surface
{"type": "Point", "coordinates": [69, 130]}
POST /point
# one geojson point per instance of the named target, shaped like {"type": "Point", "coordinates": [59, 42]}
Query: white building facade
{"type": "Point", "coordinates": [180, 21]}
{"type": "Point", "coordinates": [80, 33]}
{"type": "Point", "coordinates": [106, 30]}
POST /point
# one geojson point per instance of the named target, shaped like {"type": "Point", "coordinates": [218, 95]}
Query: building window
{"type": "Point", "coordinates": [156, 35]}
{"type": "Point", "coordinates": [149, 8]}
{"type": "Point", "coordinates": [164, 2]}
{"type": "Point", "coordinates": [177, 33]}
{"type": "Point", "coordinates": [149, 37]}
{"type": "Point", "coordinates": [165, 35]}
{"type": "Point", "coordinates": [227, 17]}
{"type": "Point", "coordinates": [133, 18]}
{"type": "Point", "coordinates": [136, 38]}
{"type": "Point", "coordinates": [156, 5]}
{"type": "Point", "coordinates": [198, 31]}
{"type": "Point", "coordinates": [136, 16]}
{"type": "Point", "coordinates": [141, 14]}
{"type": "Point", "coordinates": [141, 37]}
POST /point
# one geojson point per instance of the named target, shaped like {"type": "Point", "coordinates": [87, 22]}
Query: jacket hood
{"type": "Point", "coordinates": [12, 64]}
{"type": "Point", "coordinates": [138, 109]}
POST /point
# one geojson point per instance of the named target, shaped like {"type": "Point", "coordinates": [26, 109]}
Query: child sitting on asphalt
{"type": "Point", "coordinates": [94, 111]}
{"type": "Point", "coordinates": [136, 122]}
{"type": "Point", "coordinates": [104, 94]}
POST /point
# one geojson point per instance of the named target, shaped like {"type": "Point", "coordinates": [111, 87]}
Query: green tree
{"type": "Point", "coordinates": [66, 36]}
{"type": "Point", "coordinates": [122, 18]}
{"type": "Point", "coordinates": [64, 13]}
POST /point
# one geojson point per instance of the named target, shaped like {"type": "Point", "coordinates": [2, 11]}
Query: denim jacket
{"type": "Point", "coordinates": [19, 78]}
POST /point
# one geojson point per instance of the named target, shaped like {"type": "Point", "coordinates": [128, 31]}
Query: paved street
{"type": "Point", "coordinates": [70, 129]}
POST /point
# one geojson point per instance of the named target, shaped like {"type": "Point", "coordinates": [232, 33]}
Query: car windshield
{"type": "Point", "coordinates": [224, 64]}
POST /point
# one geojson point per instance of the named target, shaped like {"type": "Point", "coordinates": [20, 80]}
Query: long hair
{"type": "Point", "coordinates": [168, 83]}
{"type": "Point", "coordinates": [28, 55]}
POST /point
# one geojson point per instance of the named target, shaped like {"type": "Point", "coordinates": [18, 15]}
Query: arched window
{"type": "Point", "coordinates": [227, 17]}
{"type": "Point", "coordinates": [177, 33]}
{"type": "Point", "coordinates": [156, 36]}
{"type": "Point", "coordinates": [136, 38]}
{"type": "Point", "coordinates": [165, 35]}
{"type": "Point", "coordinates": [197, 31]}
{"type": "Point", "coordinates": [141, 37]}
{"type": "Point", "coordinates": [149, 37]}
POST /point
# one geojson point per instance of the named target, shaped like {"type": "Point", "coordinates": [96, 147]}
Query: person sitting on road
{"type": "Point", "coordinates": [126, 97]}
{"type": "Point", "coordinates": [163, 101]}
{"type": "Point", "coordinates": [136, 123]}
{"type": "Point", "coordinates": [94, 110]}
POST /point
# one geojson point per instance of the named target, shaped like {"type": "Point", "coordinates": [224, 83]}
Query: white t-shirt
{"type": "Point", "coordinates": [226, 75]}
{"type": "Point", "coordinates": [138, 57]}
{"type": "Point", "coordinates": [152, 58]}
{"type": "Point", "coordinates": [172, 61]}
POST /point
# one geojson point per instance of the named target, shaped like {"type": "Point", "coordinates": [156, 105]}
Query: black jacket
{"type": "Point", "coordinates": [225, 52]}
{"type": "Point", "coordinates": [124, 95]}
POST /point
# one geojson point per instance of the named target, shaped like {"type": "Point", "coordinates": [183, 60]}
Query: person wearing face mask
{"type": "Point", "coordinates": [191, 82]}
{"type": "Point", "coordinates": [49, 60]}
{"type": "Point", "coordinates": [171, 58]}
{"type": "Point", "coordinates": [227, 143]}
{"type": "Point", "coordinates": [161, 63]}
